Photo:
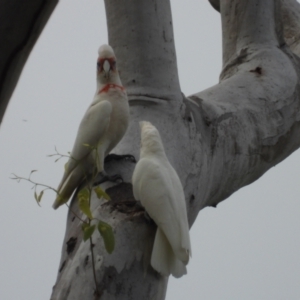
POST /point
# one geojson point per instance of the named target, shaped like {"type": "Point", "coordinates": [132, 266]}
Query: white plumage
{"type": "Point", "coordinates": [103, 126]}
{"type": "Point", "coordinates": [158, 187]}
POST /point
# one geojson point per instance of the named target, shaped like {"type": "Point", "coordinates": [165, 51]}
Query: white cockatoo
{"type": "Point", "coordinates": [158, 187]}
{"type": "Point", "coordinates": [102, 127]}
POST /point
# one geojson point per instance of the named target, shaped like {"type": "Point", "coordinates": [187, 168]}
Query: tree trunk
{"type": "Point", "coordinates": [21, 23]}
{"type": "Point", "coordinates": [218, 140]}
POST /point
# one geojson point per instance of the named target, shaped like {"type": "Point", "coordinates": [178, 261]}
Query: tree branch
{"type": "Point", "coordinates": [19, 32]}
{"type": "Point", "coordinates": [290, 14]}
{"type": "Point", "coordinates": [141, 33]}
{"type": "Point", "coordinates": [240, 31]}
{"type": "Point", "coordinates": [215, 4]}
{"type": "Point", "coordinates": [252, 115]}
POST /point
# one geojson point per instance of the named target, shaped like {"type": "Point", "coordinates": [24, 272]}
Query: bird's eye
{"type": "Point", "coordinates": [98, 64]}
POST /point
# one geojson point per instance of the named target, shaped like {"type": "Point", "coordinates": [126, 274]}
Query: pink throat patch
{"type": "Point", "coordinates": [108, 86]}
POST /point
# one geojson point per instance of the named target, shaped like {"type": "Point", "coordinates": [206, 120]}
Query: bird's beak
{"type": "Point", "coordinates": [106, 68]}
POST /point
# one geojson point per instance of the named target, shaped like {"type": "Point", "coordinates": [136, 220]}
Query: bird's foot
{"type": "Point", "coordinates": [113, 156]}
{"type": "Point", "coordinates": [105, 177]}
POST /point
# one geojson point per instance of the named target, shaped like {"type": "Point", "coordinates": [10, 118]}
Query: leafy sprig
{"type": "Point", "coordinates": [84, 203]}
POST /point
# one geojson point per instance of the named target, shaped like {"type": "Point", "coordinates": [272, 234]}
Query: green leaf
{"type": "Point", "coordinates": [100, 193]}
{"type": "Point", "coordinates": [84, 226]}
{"type": "Point", "coordinates": [108, 236]}
{"type": "Point", "coordinates": [39, 198]}
{"type": "Point", "coordinates": [84, 202]}
{"type": "Point", "coordinates": [88, 231]}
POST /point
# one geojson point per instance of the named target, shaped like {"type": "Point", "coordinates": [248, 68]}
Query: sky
{"type": "Point", "coordinates": [246, 248]}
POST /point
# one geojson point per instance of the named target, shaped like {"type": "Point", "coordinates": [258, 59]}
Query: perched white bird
{"type": "Point", "coordinates": [102, 127]}
{"type": "Point", "coordinates": [158, 187]}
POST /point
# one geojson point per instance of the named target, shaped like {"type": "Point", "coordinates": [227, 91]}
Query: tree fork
{"type": "Point", "coordinates": [218, 140]}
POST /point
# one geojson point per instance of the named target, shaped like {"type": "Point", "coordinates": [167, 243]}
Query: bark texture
{"type": "Point", "coordinates": [218, 140]}
{"type": "Point", "coordinates": [21, 23]}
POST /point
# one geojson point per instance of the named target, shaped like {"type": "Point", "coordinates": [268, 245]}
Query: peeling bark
{"type": "Point", "coordinates": [218, 140]}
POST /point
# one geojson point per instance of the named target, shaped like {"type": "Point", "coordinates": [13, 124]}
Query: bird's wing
{"type": "Point", "coordinates": [91, 129]}
{"type": "Point", "coordinates": [154, 185]}
{"type": "Point", "coordinates": [151, 186]}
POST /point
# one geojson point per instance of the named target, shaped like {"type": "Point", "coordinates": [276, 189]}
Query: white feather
{"type": "Point", "coordinates": [158, 187]}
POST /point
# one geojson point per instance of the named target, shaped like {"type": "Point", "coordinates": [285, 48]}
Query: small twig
{"type": "Point", "coordinates": [33, 182]}
{"type": "Point", "coordinates": [89, 187]}
{"type": "Point", "coordinates": [60, 155]}
{"type": "Point", "coordinates": [72, 211]}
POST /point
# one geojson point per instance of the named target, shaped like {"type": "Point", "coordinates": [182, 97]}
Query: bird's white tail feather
{"type": "Point", "coordinates": [67, 188]}
{"type": "Point", "coordinates": [178, 268]}
{"type": "Point", "coordinates": [163, 259]}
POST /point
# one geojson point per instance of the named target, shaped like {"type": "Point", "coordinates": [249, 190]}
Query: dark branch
{"type": "Point", "coordinates": [21, 23]}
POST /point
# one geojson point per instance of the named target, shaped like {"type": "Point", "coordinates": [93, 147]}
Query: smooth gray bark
{"type": "Point", "coordinates": [21, 23]}
{"type": "Point", "coordinates": [218, 140]}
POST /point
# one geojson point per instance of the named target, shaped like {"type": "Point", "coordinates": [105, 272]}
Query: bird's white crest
{"type": "Point", "coordinates": [158, 187]}
{"type": "Point", "coordinates": [106, 51]}
{"type": "Point", "coordinates": [102, 127]}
